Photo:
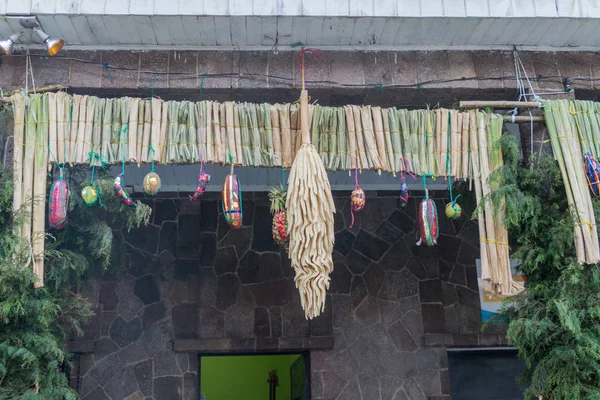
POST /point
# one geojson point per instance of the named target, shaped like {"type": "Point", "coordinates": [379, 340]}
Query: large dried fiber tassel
{"type": "Point", "coordinates": [311, 234]}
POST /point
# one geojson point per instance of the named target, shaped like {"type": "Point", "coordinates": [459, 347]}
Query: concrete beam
{"type": "Point", "coordinates": [408, 79]}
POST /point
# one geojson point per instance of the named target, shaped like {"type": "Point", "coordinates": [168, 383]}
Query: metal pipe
{"type": "Point", "coordinates": [49, 88]}
{"type": "Point", "coordinates": [500, 104]}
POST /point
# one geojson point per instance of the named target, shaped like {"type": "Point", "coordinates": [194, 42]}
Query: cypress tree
{"type": "Point", "coordinates": [554, 323]}
{"type": "Point", "coordinates": [35, 324]}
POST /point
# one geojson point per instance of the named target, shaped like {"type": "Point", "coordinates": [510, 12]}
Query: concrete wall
{"type": "Point", "coordinates": [195, 286]}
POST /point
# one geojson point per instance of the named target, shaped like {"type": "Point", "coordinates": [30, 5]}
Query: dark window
{"type": "Point", "coordinates": [485, 374]}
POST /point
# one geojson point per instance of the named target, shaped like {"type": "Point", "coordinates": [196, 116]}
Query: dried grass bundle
{"type": "Point", "coordinates": [310, 222]}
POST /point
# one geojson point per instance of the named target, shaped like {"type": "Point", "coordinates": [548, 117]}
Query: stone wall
{"type": "Point", "coordinates": [194, 285]}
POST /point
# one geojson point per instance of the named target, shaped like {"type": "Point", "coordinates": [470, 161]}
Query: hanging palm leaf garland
{"type": "Point", "coordinates": [277, 197]}
{"type": "Point", "coordinates": [428, 220]}
{"type": "Point", "coordinates": [184, 132]}
{"type": "Point", "coordinates": [232, 198]}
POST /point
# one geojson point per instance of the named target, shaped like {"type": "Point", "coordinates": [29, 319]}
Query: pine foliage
{"type": "Point", "coordinates": [35, 324]}
{"type": "Point", "coordinates": [554, 323]}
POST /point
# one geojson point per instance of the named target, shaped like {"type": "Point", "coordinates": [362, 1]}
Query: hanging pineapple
{"type": "Point", "coordinates": [277, 196]}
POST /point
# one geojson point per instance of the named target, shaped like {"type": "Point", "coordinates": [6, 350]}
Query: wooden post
{"type": "Point", "coordinates": [500, 104]}
{"type": "Point", "coordinates": [39, 191]}
{"type": "Point", "coordinates": [304, 126]}
{"type": "Point", "coordinates": [19, 129]}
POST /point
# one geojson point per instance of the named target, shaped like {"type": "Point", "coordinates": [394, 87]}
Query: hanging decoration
{"type": "Point", "coordinates": [358, 198]}
{"type": "Point", "coordinates": [405, 167]}
{"type": "Point", "coordinates": [152, 181]}
{"type": "Point", "coordinates": [91, 193]}
{"type": "Point", "coordinates": [119, 180]}
{"type": "Point", "coordinates": [428, 220]}
{"type": "Point", "coordinates": [592, 172]}
{"type": "Point", "coordinates": [262, 135]}
{"type": "Point", "coordinates": [279, 225]}
{"type": "Point", "coordinates": [58, 203]}
{"type": "Point", "coordinates": [203, 180]}
{"type": "Point", "coordinates": [453, 210]}
{"type": "Point", "coordinates": [122, 192]}
{"type": "Point", "coordinates": [232, 198]}
{"type": "Point", "coordinates": [310, 219]}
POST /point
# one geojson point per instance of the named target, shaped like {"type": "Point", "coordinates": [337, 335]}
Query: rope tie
{"type": "Point", "coordinates": [107, 69]}
{"type": "Point", "coordinates": [404, 167]}
{"type": "Point", "coordinates": [90, 159]}
{"type": "Point", "coordinates": [315, 53]}
{"type": "Point", "coordinates": [356, 187]}
{"type": "Point", "coordinates": [123, 132]}
{"type": "Point", "coordinates": [449, 164]}
{"type": "Point", "coordinates": [486, 240]}
{"type": "Point", "coordinates": [153, 152]}
{"type": "Point", "coordinates": [225, 212]}
{"type": "Point", "coordinates": [202, 82]}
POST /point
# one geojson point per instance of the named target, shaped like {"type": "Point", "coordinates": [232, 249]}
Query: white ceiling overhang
{"type": "Point", "coordinates": [373, 24]}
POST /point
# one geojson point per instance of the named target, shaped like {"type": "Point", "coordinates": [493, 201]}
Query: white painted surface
{"type": "Point", "coordinates": [358, 8]}
{"type": "Point", "coordinates": [343, 23]}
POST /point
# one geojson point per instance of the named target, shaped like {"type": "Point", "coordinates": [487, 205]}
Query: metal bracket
{"type": "Point", "coordinates": [29, 22]}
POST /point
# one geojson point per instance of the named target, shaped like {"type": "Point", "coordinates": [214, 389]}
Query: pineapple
{"type": "Point", "coordinates": [277, 196]}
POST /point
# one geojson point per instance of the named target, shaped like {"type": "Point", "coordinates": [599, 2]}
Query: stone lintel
{"type": "Point", "coordinates": [252, 345]}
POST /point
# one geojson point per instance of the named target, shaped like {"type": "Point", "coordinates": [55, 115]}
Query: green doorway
{"type": "Point", "coordinates": [254, 377]}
